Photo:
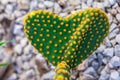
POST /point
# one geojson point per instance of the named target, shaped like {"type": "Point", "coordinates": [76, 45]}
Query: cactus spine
{"type": "Point", "coordinates": [66, 42]}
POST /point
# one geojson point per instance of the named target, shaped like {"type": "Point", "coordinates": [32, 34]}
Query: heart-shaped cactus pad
{"type": "Point", "coordinates": [71, 39]}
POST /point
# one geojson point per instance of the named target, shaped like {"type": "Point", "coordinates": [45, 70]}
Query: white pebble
{"type": "Point", "coordinates": [115, 61]}
{"type": "Point", "coordinates": [18, 49]}
{"type": "Point", "coordinates": [114, 76]}
{"type": "Point", "coordinates": [48, 3]}
{"type": "Point", "coordinates": [23, 42]}
{"type": "Point", "coordinates": [57, 8]}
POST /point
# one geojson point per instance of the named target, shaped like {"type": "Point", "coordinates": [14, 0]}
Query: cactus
{"type": "Point", "coordinates": [66, 42]}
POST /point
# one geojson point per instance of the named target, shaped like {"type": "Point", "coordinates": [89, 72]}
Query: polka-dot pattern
{"type": "Point", "coordinates": [71, 39]}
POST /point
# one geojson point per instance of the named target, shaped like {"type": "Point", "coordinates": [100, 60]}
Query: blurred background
{"type": "Point", "coordinates": [24, 63]}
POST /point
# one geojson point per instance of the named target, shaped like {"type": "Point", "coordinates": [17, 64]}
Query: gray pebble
{"type": "Point", "coordinates": [108, 52]}
{"type": "Point", "coordinates": [104, 77]}
{"type": "Point", "coordinates": [95, 64]}
{"type": "Point", "coordinates": [90, 71]}
{"type": "Point", "coordinates": [117, 50]}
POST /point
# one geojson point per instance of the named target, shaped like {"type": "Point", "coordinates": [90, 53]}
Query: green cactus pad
{"type": "Point", "coordinates": [71, 39]}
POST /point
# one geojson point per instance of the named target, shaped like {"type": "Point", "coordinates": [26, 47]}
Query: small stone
{"type": "Point", "coordinates": [112, 2]}
{"type": "Point", "coordinates": [117, 50]}
{"type": "Point", "coordinates": [91, 71]}
{"type": "Point", "coordinates": [113, 42]}
{"type": "Point", "coordinates": [75, 2]}
{"type": "Point", "coordinates": [23, 4]}
{"type": "Point", "coordinates": [28, 49]}
{"type": "Point", "coordinates": [41, 6]}
{"type": "Point", "coordinates": [17, 29]}
{"type": "Point", "coordinates": [107, 42]}
{"type": "Point", "coordinates": [110, 17]}
{"type": "Point", "coordinates": [48, 4]}
{"type": "Point", "coordinates": [23, 42]}
{"type": "Point", "coordinates": [95, 64]}
{"type": "Point", "coordinates": [116, 30]}
{"type": "Point", "coordinates": [115, 20]}
{"type": "Point", "coordinates": [118, 17]}
{"type": "Point", "coordinates": [82, 66]}
{"type": "Point", "coordinates": [99, 57]}
{"type": "Point", "coordinates": [17, 13]}
{"type": "Point", "coordinates": [40, 58]}
{"type": "Point", "coordinates": [114, 76]}
{"type": "Point", "coordinates": [108, 52]}
{"type": "Point", "coordinates": [100, 49]}
{"type": "Point", "coordinates": [118, 38]}
{"type": "Point", "coordinates": [63, 14]}
{"type": "Point", "coordinates": [84, 6]}
{"type": "Point", "coordinates": [86, 77]}
{"type": "Point", "coordinates": [48, 75]}
{"type": "Point", "coordinates": [115, 61]}
{"type": "Point", "coordinates": [112, 36]}
{"type": "Point", "coordinates": [91, 58]}
{"type": "Point", "coordinates": [78, 7]}
{"type": "Point", "coordinates": [33, 5]}
{"type": "Point", "coordinates": [9, 8]}
{"type": "Point", "coordinates": [19, 62]}
{"type": "Point", "coordinates": [26, 66]}
{"type": "Point", "coordinates": [118, 2]}
{"type": "Point", "coordinates": [107, 4]}
{"type": "Point", "coordinates": [12, 77]}
{"type": "Point", "coordinates": [57, 8]}
{"type": "Point", "coordinates": [28, 75]}
{"type": "Point", "coordinates": [62, 2]}
{"type": "Point", "coordinates": [18, 49]}
{"type": "Point", "coordinates": [89, 3]}
{"type": "Point", "coordinates": [115, 5]}
{"type": "Point", "coordinates": [112, 11]}
{"type": "Point", "coordinates": [104, 77]}
{"type": "Point", "coordinates": [105, 70]}
{"type": "Point", "coordinates": [105, 60]}
{"type": "Point", "coordinates": [98, 5]}
{"type": "Point", "coordinates": [118, 9]}
{"type": "Point", "coordinates": [113, 26]}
